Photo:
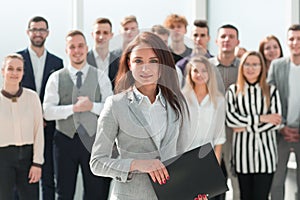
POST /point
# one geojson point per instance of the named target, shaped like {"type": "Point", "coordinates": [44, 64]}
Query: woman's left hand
{"type": "Point", "coordinates": [201, 197]}
{"type": "Point", "coordinates": [35, 174]}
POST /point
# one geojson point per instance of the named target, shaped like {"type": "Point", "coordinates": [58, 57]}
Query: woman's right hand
{"type": "Point", "coordinates": [155, 168]}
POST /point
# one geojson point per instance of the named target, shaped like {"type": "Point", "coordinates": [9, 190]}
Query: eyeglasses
{"type": "Point", "coordinates": [254, 65]}
{"type": "Point", "coordinates": [38, 30]}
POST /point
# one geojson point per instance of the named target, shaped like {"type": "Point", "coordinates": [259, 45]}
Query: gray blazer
{"type": "Point", "coordinates": [123, 122]}
{"type": "Point", "coordinates": [278, 75]}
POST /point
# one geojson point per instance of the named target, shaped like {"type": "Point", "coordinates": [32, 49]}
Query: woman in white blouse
{"type": "Point", "coordinates": [21, 134]}
{"type": "Point", "coordinates": [254, 112]}
{"type": "Point", "coordinates": [206, 104]}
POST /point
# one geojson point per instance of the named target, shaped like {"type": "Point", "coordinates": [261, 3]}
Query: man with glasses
{"type": "Point", "coordinates": [38, 66]}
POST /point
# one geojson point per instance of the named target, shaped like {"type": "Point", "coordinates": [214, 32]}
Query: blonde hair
{"type": "Point", "coordinates": [212, 84]}
{"type": "Point", "coordinates": [128, 19]}
{"type": "Point", "coordinates": [265, 87]}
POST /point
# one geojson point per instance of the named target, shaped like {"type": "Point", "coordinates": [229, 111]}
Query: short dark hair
{"type": "Point", "coordinates": [201, 24]}
{"type": "Point", "coordinates": [74, 33]}
{"type": "Point", "coordinates": [103, 20]}
{"type": "Point", "coordinates": [294, 27]}
{"type": "Point", "coordinates": [230, 27]}
{"type": "Point", "coordinates": [38, 19]}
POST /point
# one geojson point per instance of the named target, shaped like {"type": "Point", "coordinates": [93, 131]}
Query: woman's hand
{"type": "Point", "coordinates": [35, 174]}
{"type": "Point", "coordinates": [157, 171]}
{"type": "Point", "coordinates": [236, 130]}
{"type": "Point", "coordinates": [274, 119]}
{"type": "Point", "coordinates": [201, 197]}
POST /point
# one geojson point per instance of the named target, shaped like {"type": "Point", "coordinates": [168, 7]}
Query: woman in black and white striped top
{"type": "Point", "coordinates": [254, 112]}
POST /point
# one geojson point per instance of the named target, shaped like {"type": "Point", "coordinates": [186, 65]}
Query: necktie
{"type": "Point", "coordinates": [78, 80]}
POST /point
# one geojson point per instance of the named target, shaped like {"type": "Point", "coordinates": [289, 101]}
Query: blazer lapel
{"type": "Point", "coordinates": [29, 76]}
{"type": "Point", "coordinates": [139, 116]}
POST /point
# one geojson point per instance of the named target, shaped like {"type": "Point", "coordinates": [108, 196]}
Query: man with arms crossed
{"type": "Point", "coordinates": [74, 98]}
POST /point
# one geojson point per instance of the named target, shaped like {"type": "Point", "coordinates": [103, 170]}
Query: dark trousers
{"type": "Point", "coordinates": [70, 153]}
{"type": "Point", "coordinates": [255, 186]}
{"type": "Point", "coordinates": [48, 185]}
{"type": "Point", "coordinates": [15, 163]}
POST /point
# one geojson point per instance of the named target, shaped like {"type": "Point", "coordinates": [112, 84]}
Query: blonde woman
{"type": "Point", "coordinates": [206, 104]}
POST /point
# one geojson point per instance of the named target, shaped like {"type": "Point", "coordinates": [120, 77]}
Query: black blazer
{"type": "Point", "coordinates": [114, 59]}
{"type": "Point", "coordinates": [52, 64]}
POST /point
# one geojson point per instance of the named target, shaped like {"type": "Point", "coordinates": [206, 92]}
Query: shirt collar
{"type": "Point", "coordinates": [139, 97]}
{"type": "Point", "coordinates": [31, 52]}
{"type": "Point", "coordinates": [73, 70]}
{"type": "Point", "coordinates": [215, 61]}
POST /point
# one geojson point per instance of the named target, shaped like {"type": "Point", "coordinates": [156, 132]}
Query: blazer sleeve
{"type": "Point", "coordinates": [101, 163]}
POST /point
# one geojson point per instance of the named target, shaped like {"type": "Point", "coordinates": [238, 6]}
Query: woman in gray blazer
{"type": "Point", "coordinates": [146, 119]}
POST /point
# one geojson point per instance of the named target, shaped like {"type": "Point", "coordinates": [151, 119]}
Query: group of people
{"type": "Point", "coordinates": [119, 114]}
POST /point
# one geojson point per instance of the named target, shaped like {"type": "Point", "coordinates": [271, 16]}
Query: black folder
{"type": "Point", "coordinates": [192, 173]}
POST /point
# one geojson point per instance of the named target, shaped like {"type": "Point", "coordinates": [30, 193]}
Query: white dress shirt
{"type": "Point", "coordinates": [102, 64]}
{"type": "Point", "coordinates": [155, 113]}
{"type": "Point", "coordinates": [38, 65]}
{"type": "Point", "coordinates": [53, 111]}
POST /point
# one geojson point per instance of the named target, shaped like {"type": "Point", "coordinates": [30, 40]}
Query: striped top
{"type": "Point", "coordinates": [255, 149]}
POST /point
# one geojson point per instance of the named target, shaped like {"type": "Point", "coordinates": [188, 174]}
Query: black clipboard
{"type": "Point", "coordinates": [192, 173]}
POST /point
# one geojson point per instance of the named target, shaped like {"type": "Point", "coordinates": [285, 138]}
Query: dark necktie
{"type": "Point", "coordinates": [78, 80]}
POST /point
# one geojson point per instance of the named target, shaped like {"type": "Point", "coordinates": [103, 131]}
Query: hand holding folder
{"type": "Point", "coordinates": [192, 173]}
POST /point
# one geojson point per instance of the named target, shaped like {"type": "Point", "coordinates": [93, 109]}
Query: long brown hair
{"type": "Point", "coordinates": [263, 43]}
{"type": "Point", "coordinates": [261, 79]}
{"type": "Point", "coordinates": [168, 80]}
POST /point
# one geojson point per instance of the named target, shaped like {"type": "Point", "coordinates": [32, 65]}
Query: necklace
{"type": "Point", "coordinates": [13, 97]}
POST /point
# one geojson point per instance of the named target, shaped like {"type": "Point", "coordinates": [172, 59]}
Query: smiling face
{"type": "Point", "coordinates": [252, 68]}
{"type": "Point", "coordinates": [294, 42]}
{"type": "Point", "coordinates": [12, 71]}
{"type": "Point", "coordinates": [37, 32]}
{"type": "Point", "coordinates": [271, 50]}
{"type": "Point", "coordinates": [76, 49]}
{"type": "Point", "coordinates": [199, 74]}
{"type": "Point", "coordinates": [144, 65]}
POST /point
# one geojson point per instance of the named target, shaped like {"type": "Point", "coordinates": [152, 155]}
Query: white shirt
{"type": "Point", "coordinates": [102, 64]}
{"type": "Point", "coordinates": [155, 114]}
{"type": "Point", "coordinates": [53, 111]}
{"type": "Point", "coordinates": [293, 113]}
{"type": "Point", "coordinates": [38, 65]}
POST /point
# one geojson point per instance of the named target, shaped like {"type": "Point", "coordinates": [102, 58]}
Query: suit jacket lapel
{"type": "Point", "coordinates": [139, 115]}
{"type": "Point", "coordinates": [29, 71]}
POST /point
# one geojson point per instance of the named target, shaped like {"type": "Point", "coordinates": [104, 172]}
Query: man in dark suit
{"type": "Point", "coordinates": [39, 64]}
{"type": "Point", "coordinates": [100, 56]}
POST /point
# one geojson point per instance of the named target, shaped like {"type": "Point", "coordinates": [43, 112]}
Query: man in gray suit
{"type": "Point", "coordinates": [100, 56]}
{"type": "Point", "coordinates": [284, 73]}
